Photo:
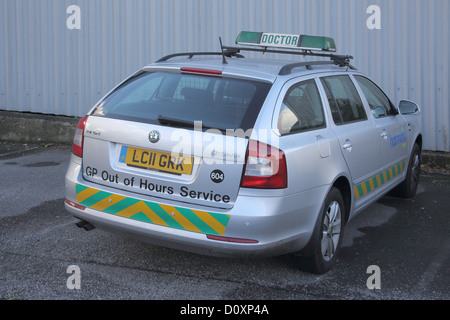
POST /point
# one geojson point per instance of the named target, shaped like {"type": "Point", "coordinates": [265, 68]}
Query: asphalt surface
{"type": "Point", "coordinates": [409, 240]}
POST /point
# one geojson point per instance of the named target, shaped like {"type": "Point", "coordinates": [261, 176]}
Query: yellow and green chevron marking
{"type": "Point", "coordinates": [371, 184]}
{"type": "Point", "coordinates": [164, 215]}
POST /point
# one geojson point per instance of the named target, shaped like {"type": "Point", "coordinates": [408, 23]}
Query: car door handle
{"type": "Point", "coordinates": [347, 145]}
{"type": "Point", "coordinates": [384, 135]}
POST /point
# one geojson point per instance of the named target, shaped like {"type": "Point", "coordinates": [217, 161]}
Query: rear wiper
{"type": "Point", "coordinates": [179, 122]}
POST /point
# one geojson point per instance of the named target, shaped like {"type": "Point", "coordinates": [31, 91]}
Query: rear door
{"type": "Point", "coordinates": [357, 134]}
{"type": "Point", "coordinates": [304, 136]}
{"type": "Point", "coordinates": [164, 135]}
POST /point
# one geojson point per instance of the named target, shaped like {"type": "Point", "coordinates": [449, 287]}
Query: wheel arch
{"type": "Point", "coordinates": [343, 185]}
{"type": "Point", "coordinates": [419, 141]}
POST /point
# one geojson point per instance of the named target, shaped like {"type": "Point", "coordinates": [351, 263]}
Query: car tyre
{"type": "Point", "coordinates": [407, 189]}
{"type": "Point", "coordinates": [324, 246]}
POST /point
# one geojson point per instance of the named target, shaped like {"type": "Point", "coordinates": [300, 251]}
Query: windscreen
{"type": "Point", "coordinates": [179, 99]}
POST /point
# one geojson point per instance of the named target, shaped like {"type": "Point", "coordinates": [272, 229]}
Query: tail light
{"type": "Point", "coordinates": [77, 147]}
{"type": "Point", "coordinates": [265, 167]}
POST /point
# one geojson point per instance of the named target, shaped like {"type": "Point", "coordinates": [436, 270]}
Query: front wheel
{"type": "Point", "coordinates": [407, 189]}
{"type": "Point", "coordinates": [327, 237]}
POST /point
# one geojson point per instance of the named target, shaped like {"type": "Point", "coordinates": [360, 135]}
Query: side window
{"type": "Point", "coordinates": [379, 103]}
{"type": "Point", "coordinates": [301, 109]}
{"type": "Point", "coordinates": [345, 102]}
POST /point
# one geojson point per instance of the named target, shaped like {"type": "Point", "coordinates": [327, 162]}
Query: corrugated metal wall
{"type": "Point", "coordinates": [47, 68]}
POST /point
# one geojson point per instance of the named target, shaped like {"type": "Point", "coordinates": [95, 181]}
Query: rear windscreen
{"type": "Point", "coordinates": [180, 99]}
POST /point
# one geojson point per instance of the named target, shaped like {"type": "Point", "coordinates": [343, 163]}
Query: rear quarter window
{"type": "Point", "coordinates": [301, 109]}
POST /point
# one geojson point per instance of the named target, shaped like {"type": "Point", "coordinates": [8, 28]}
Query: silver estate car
{"type": "Point", "coordinates": [218, 154]}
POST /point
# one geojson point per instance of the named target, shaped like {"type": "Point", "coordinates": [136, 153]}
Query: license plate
{"type": "Point", "coordinates": [157, 160]}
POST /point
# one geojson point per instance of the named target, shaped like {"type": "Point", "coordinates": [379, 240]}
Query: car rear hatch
{"type": "Point", "coordinates": [180, 136]}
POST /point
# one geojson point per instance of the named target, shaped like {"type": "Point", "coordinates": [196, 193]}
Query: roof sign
{"type": "Point", "coordinates": [292, 41]}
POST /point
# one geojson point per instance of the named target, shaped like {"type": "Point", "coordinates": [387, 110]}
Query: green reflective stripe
{"type": "Point", "coordinates": [382, 179]}
{"type": "Point", "coordinates": [365, 187]}
{"type": "Point", "coordinates": [191, 216]}
{"type": "Point", "coordinates": [171, 222]}
{"type": "Point", "coordinates": [150, 212]}
{"type": "Point", "coordinates": [360, 190]}
{"type": "Point", "coordinates": [95, 198]}
{"type": "Point", "coordinates": [375, 182]}
{"type": "Point", "coordinates": [222, 218]}
{"type": "Point", "coordinates": [141, 217]}
{"type": "Point", "coordinates": [79, 188]}
{"type": "Point", "coordinates": [121, 205]}
{"type": "Point", "coordinates": [368, 188]}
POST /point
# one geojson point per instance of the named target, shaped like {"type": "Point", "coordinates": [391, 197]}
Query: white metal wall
{"type": "Point", "coordinates": [47, 68]}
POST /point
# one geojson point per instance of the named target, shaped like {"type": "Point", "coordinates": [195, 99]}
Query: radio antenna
{"type": "Point", "coordinates": [224, 61]}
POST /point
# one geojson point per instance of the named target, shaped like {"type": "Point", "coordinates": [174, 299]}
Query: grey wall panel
{"type": "Point", "coordinates": [47, 68]}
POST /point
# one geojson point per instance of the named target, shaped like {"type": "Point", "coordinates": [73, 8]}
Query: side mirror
{"type": "Point", "coordinates": [408, 107]}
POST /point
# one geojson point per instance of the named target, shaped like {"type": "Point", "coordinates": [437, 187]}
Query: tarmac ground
{"type": "Point", "coordinates": [409, 240]}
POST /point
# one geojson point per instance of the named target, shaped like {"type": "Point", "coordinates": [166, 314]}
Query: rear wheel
{"type": "Point", "coordinates": [327, 238]}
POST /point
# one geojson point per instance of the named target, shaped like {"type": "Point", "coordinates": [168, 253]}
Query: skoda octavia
{"type": "Point", "coordinates": [219, 154]}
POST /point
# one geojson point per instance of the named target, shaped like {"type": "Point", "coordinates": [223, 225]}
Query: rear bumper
{"type": "Point", "coordinates": [274, 225]}
{"type": "Point", "coordinates": [184, 240]}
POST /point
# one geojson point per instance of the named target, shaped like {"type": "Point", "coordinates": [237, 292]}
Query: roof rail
{"type": "Point", "coordinates": [287, 69]}
{"type": "Point", "coordinates": [339, 60]}
{"type": "Point", "coordinates": [228, 53]}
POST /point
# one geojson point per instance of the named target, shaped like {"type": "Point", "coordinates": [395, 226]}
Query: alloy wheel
{"type": "Point", "coordinates": [331, 231]}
